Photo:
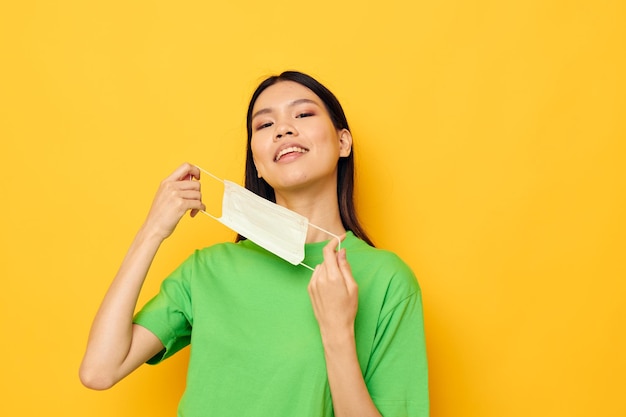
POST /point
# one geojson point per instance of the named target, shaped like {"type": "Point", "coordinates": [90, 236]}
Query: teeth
{"type": "Point", "coordinates": [289, 150]}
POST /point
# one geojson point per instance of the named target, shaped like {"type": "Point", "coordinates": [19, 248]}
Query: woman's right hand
{"type": "Point", "coordinates": [116, 347]}
{"type": "Point", "coordinates": [177, 194]}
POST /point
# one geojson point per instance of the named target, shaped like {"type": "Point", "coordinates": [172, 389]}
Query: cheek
{"type": "Point", "coordinates": [258, 143]}
{"type": "Point", "coordinates": [257, 158]}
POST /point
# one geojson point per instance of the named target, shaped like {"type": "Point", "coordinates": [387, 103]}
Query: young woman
{"type": "Point", "coordinates": [269, 338]}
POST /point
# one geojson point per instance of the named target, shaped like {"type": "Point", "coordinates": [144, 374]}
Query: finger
{"type": "Point", "coordinates": [312, 288]}
{"type": "Point", "coordinates": [331, 245]}
{"type": "Point", "coordinates": [342, 261]}
{"type": "Point", "coordinates": [196, 205]}
{"type": "Point", "coordinates": [190, 195]}
{"type": "Point", "coordinates": [330, 260]}
{"type": "Point", "coordinates": [314, 278]}
{"type": "Point", "coordinates": [183, 172]}
{"type": "Point", "coordinates": [195, 211]}
{"type": "Point", "coordinates": [195, 172]}
{"type": "Point", "coordinates": [187, 185]}
{"type": "Point", "coordinates": [345, 268]}
{"type": "Point", "coordinates": [193, 198]}
{"type": "Point", "coordinates": [187, 190]}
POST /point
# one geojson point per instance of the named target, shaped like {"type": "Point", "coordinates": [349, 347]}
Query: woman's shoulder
{"type": "Point", "coordinates": [227, 246]}
{"type": "Point", "coordinates": [356, 246]}
{"type": "Point", "coordinates": [381, 264]}
{"type": "Point", "coordinates": [218, 247]}
{"type": "Point", "coordinates": [243, 253]}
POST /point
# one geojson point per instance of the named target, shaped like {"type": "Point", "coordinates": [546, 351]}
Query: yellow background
{"type": "Point", "coordinates": [490, 143]}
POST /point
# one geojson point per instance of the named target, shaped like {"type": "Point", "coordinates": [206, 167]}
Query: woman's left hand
{"type": "Point", "coordinates": [334, 295]}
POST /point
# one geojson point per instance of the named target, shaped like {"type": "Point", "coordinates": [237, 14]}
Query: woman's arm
{"type": "Point", "coordinates": [115, 346]}
{"type": "Point", "coordinates": [334, 295]}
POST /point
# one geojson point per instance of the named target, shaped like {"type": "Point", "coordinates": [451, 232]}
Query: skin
{"type": "Point", "coordinates": [286, 115]}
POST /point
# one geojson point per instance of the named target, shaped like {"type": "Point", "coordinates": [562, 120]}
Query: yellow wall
{"type": "Point", "coordinates": [490, 139]}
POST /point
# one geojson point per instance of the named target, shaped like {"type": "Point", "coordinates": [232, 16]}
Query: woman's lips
{"type": "Point", "coordinates": [288, 150]}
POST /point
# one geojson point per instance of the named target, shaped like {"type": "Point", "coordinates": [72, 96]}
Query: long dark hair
{"type": "Point", "coordinates": [345, 166]}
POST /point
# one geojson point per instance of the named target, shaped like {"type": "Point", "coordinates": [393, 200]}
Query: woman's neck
{"type": "Point", "coordinates": [322, 210]}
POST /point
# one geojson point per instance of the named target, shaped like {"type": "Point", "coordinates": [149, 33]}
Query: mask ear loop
{"type": "Point", "coordinates": [306, 266]}
{"type": "Point", "coordinates": [327, 232]}
{"type": "Point", "coordinates": [216, 178]}
{"type": "Point", "coordinates": [310, 224]}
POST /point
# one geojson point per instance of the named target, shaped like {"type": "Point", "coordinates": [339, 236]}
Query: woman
{"type": "Point", "coordinates": [270, 338]}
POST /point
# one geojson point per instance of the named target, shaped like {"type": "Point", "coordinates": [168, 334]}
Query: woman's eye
{"type": "Point", "coordinates": [304, 114]}
{"type": "Point", "coordinates": [264, 125]}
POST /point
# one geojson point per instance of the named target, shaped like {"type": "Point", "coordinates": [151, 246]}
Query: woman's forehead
{"type": "Point", "coordinates": [284, 93]}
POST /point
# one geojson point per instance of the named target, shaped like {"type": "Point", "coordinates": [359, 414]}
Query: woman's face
{"type": "Point", "coordinates": [294, 142]}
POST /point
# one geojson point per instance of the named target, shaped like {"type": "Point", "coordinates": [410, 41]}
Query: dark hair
{"type": "Point", "coordinates": [345, 166]}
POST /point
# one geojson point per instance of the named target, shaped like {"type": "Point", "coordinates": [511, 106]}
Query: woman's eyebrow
{"type": "Point", "coordinates": [303, 100]}
{"type": "Point", "coordinates": [292, 104]}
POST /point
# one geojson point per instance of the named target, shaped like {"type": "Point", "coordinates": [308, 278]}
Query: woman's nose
{"type": "Point", "coordinates": [284, 129]}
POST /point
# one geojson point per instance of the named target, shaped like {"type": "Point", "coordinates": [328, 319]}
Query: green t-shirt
{"type": "Point", "coordinates": [256, 348]}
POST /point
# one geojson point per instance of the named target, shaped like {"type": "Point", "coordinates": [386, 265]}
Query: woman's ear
{"type": "Point", "coordinates": [345, 143]}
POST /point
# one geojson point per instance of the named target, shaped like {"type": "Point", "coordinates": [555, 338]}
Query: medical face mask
{"type": "Point", "coordinates": [273, 227]}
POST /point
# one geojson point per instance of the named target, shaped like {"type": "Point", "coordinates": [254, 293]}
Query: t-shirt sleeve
{"type": "Point", "coordinates": [168, 314]}
{"type": "Point", "coordinates": [397, 375]}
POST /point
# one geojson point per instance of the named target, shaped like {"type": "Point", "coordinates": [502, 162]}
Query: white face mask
{"type": "Point", "coordinates": [273, 227]}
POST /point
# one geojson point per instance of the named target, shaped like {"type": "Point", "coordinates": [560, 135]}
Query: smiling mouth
{"type": "Point", "coordinates": [291, 149]}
